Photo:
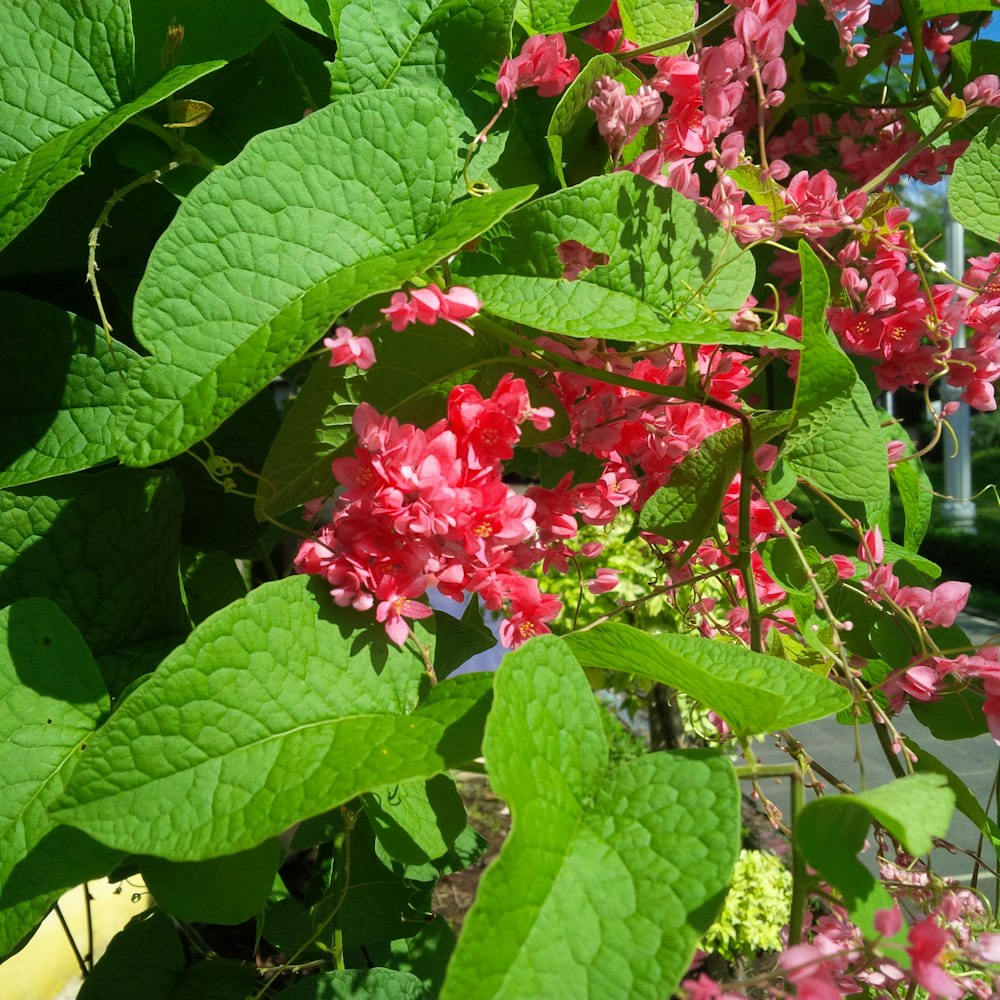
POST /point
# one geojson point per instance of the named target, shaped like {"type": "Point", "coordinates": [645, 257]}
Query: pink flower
{"type": "Point", "coordinates": [604, 581]}
{"type": "Point", "coordinates": [937, 607]}
{"type": "Point", "coordinates": [428, 305]}
{"type": "Point", "coordinates": [926, 950]}
{"type": "Point", "coordinates": [346, 349]}
{"type": "Point", "coordinates": [576, 258]}
{"type": "Point", "coordinates": [395, 606]}
{"type": "Point", "coordinates": [542, 63]}
{"type": "Point", "coordinates": [984, 91]}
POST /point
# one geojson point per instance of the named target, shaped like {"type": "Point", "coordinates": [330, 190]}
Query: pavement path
{"type": "Point", "coordinates": [975, 761]}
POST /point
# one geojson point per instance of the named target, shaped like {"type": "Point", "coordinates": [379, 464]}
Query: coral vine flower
{"type": "Point", "coordinates": [542, 63]}
{"type": "Point", "coordinates": [346, 349]}
{"type": "Point", "coordinates": [428, 305]}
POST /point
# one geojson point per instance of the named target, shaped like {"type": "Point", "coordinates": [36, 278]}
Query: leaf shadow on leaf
{"type": "Point", "coordinates": [64, 857]}
{"type": "Point", "coordinates": [41, 387]}
{"type": "Point", "coordinates": [368, 639]}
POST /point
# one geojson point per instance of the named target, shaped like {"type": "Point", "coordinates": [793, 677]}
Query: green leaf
{"type": "Point", "coordinates": [546, 17]}
{"type": "Point", "coordinates": [648, 21]}
{"type": "Point", "coordinates": [213, 29]}
{"type": "Point", "coordinates": [958, 716]}
{"type": "Point", "coordinates": [66, 76]}
{"type": "Point", "coordinates": [974, 188]}
{"type": "Point", "coordinates": [937, 8]}
{"type": "Point", "coordinates": [119, 529]}
{"type": "Point", "coordinates": [219, 501]}
{"type": "Point", "coordinates": [416, 821]}
{"type": "Point", "coordinates": [312, 14]}
{"type": "Point", "coordinates": [60, 383]}
{"type": "Point", "coordinates": [149, 952]}
{"type": "Point", "coordinates": [419, 44]}
{"type": "Point", "coordinates": [426, 955]}
{"type": "Point", "coordinates": [914, 489]}
{"type": "Point", "coordinates": [303, 224]}
{"type": "Point", "coordinates": [689, 506]}
{"type": "Point", "coordinates": [415, 372]}
{"type": "Point", "coordinates": [754, 693]}
{"type": "Point", "coordinates": [633, 860]}
{"type": "Point", "coordinates": [459, 639]}
{"type": "Point", "coordinates": [226, 890]}
{"type": "Point", "coordinates": [359, 984]}
{"type": "Point", "coordinates": [830, 831]}
{"type": "Point", "coordinates": [211, 580]}
{"type": "Point", "coordinates": [965, 800]}
{"type": "Point", "coordinates": [667, 258]}
{"type": "Point", "coordinates": [52, 698]}
{"type": "Point", "coordinates": [338, 719]}
{"type": "Point", "coordinates": [836, 442]}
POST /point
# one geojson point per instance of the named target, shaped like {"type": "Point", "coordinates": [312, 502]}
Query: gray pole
{"type": "Point", "coordinates": [959, 512]}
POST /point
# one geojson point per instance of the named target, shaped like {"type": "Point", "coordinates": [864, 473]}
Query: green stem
{"type": "Point", "coordinates": [72, 943]}
{"type": "Point", "coordinates": [799, 874]}
{"type": "Point", "coordinates": [752, 772]}
{"type": "Point", "coordinates": [698, 31]}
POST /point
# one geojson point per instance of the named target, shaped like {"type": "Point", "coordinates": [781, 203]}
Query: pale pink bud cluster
{"type": "Point", "coordinates": [984, 91]}
{"type": "Point", "coordinates": [621, 115]}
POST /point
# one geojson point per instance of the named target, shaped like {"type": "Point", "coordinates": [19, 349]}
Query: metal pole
{"type": "Point", "coordinates": [959, 511]}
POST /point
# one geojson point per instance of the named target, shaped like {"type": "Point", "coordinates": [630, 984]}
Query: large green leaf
{"type": "Point", "coordinates": [276, 708]}
{"type": "Point", "coordinates": [831, 830]}
{"type": "Point", "coordinates": [836, 441]}
{"type": "Point", "coordinates": [59, 383]}
{"type": "Point", "coordinates": [667, 258]}
{"type": "Point", "coordinates": [420, 43]}
{"type": "Point", "coordinates": [974, 188]}
{"type": "Point", "coordinates": [648, 21]}
{"type": "Point", "coordinates": [303, 224]}
{"type": "Point", "coordinates": [52, 698]}
{"type": "Point", "coordinates": [213, 29]}
{"type": "Point", "coordinates": [313, 14]}
{"type": "Point", "coordinates": [546, 17]}
{"type": "Point", "coordinates": [118, 531]}
{"type": "Point", "coordinates": [754, 693]}
{"type": "Point", "coordinates": [359, 984]}
{"type": "Point", "coordinates": [632, 861]}
{"type": "Point", "coordinates": [226, 890]}
{"type": "Point", "coordinates": [149, 952]}
{"type": "Point", "coordinates": [108, 524]}
{"type": "Point", "coordinates": [937, 8]}
{"type": "Point", "coordinates": [66, 77]}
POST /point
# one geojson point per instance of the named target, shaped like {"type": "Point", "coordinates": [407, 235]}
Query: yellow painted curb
{"type": "Point", "coordinates": [45, 968]}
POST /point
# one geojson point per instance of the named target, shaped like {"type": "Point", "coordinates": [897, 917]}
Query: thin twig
{"type": "Point", "coordinates": [72, 943]}
{"type": "Point", "coordinates": [92, 240]}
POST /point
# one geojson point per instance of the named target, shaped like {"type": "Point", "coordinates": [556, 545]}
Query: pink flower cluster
{"type": "Point", "coordinates": [836, 962]}
{"type": "Point", "coordinates": [929, 676]}
{"type": "Point", "coordinates": [543, 64]}
{"type": "Point", "coordinates": [427, 508]}
{"type": "Point", "coordinates": [892, 319]}
{"type": "Point", "coordinates": [428, 305]}
{"type": "Point", "coordinates": [621, 115]}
